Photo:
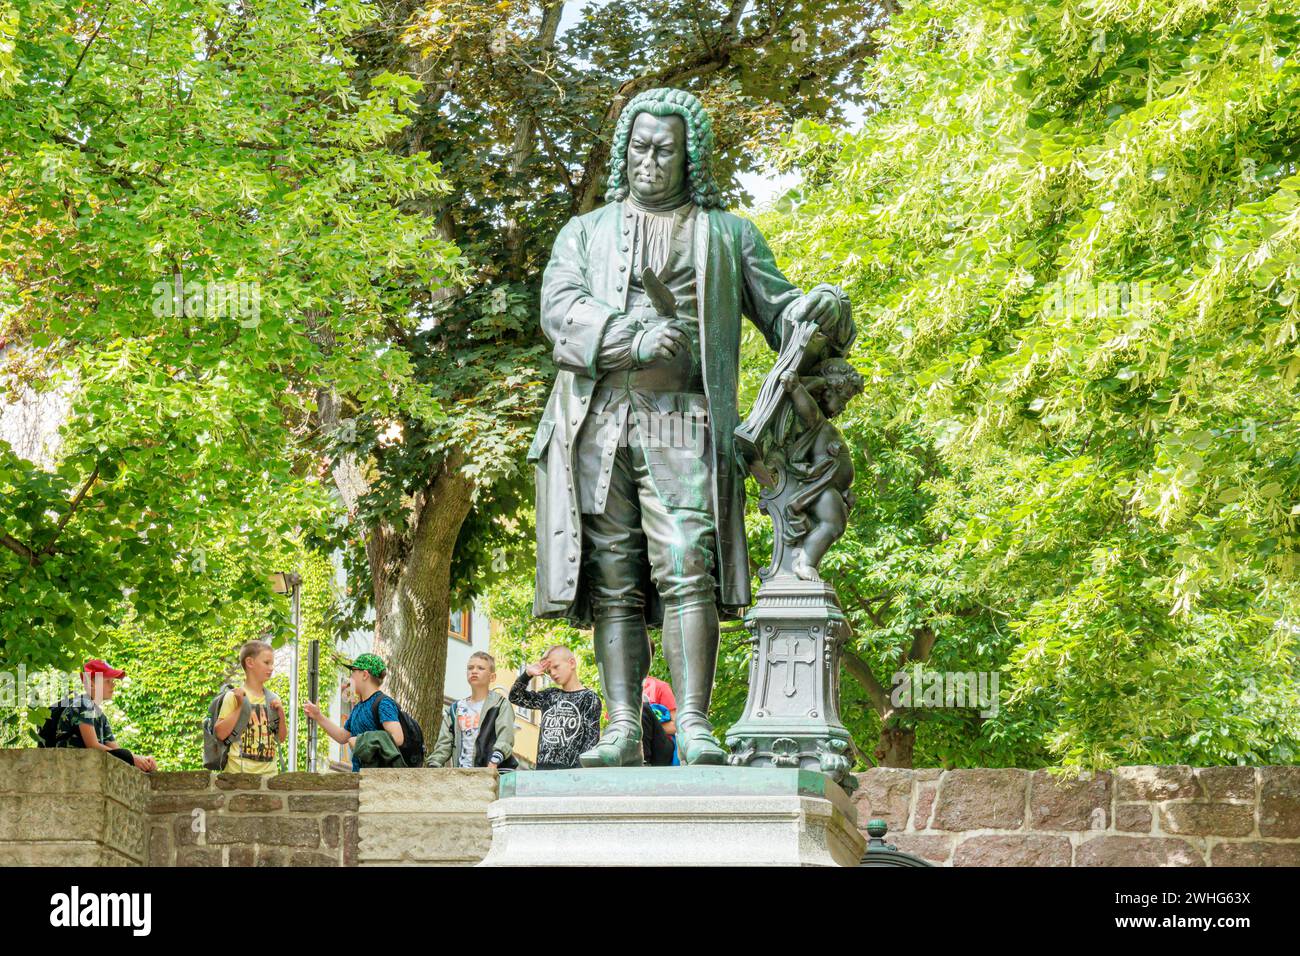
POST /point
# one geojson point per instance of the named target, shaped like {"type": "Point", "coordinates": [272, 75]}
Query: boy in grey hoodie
{"type": "Point", "coordinates": [478, 730]}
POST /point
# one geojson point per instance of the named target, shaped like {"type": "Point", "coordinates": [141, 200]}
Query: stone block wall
{"type": "Point", "coordinates": [378, 817]}
{"type": "Point", "coordinates": [425, 817]}
{"type": "Point", "coordinates": [70, 808]}
{"type": "Point", "coordinates": [85, 808]}
{"type": "Point", "coordinates": [1132, 816]}
{"type": "Point", "coordinates": [199, 818]}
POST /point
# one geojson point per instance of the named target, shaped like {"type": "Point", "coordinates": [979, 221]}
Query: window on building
{"type": "Point", "coordinates": [459, 627]}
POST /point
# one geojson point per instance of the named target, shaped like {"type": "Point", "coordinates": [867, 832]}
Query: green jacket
{"type": "Point", "coordinates": [584, 292]}
{"type": "Point", "coordinates": [496, 733]}
{"type": "Point", "coordinates": [375, 748]}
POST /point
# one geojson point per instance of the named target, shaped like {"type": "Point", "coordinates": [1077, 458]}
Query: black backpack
{"type": "Point", "coordinates": [656, 746]}
{"type": "Point", "coordinates": [48, 735]}
{"type": "Point", "coordinates": [412, 736]}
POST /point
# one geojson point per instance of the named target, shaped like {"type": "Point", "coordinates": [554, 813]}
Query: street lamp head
{"type": "Point", "coordinates": [283, 582]}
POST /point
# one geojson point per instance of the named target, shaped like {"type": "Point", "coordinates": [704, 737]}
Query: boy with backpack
{"type": "Point", "coordinates": [478, 730]}
{"type": "Point", "coordinates": [379, 732]}
{"type": "Point", "coordinates": [658, 748]}
{"type": "Point", "coordinates": [80, 721]}
{"type": "Point", "coordinates": [246, 724]}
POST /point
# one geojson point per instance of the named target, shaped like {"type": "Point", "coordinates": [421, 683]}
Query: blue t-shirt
{"type": "Point", "coordinates": [362, 719]}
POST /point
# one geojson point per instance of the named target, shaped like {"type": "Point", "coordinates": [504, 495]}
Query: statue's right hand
{"type": "Point", "coordinates": [660, 343]}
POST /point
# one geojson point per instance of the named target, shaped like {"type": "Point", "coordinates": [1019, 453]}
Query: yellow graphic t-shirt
{"type": "Point", "coordinates": [254, 751]}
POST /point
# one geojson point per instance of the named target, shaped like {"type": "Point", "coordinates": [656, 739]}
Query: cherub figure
{"type": "Point", "coordinates": [819, 460]}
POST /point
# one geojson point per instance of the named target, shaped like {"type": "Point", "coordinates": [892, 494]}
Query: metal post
{"type": "Point", "coordinates": [296, 584]}
{"type": "Point", "coordinates": [313, 691]}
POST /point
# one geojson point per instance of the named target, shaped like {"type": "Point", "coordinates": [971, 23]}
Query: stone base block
{"type": "Point", "coordinates": [424, 817]}
{"type": "Point", "coordinates": [673, 816]}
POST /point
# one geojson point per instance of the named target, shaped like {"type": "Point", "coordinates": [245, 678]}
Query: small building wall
{"type": "Point", "coordinates": [199, 818]}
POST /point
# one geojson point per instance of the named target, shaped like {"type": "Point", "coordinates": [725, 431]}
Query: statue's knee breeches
{"type": "Point", "coordinates": [680, 552]}
{"type": "Point", "coordinates": [641, 523]}
{"type": "Point", "coordinates": [614, 555]}
{"type": "Point", "coordinates": [680, 544]}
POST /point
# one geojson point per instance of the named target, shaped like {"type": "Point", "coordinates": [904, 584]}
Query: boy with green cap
{"type": "Point", "coordinates": [368, 672]}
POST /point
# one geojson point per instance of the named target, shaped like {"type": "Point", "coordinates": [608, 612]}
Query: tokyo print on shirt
{"type": "Point", "coordinates": [570, 721]}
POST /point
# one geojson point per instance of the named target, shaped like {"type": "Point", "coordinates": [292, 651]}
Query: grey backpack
{"type": "Point", "coordinates": [216, 753]}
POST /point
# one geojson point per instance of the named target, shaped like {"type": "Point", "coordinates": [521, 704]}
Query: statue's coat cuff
{"type": "Point", "coordinates": [578, 344]}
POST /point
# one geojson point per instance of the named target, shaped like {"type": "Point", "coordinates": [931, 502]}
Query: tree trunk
{"type": "Point", "coordinates": [894, 749]}
{"type": "Point", "coordinates": [413, 601]}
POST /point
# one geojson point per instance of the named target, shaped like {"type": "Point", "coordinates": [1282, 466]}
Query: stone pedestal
{"type": "Point", "coordinates": [792, 716]}
{"type": "Point", "coordinates": [673, 816]}
{"type": "Point", "coordinates": [425, 817]}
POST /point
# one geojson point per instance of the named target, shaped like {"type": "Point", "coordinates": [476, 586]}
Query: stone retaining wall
{"type": "Point", "coordinates": [70, 808]}
{"type": "Point", "coordinates": [1132, 816]}
{"type": "Point", "coordinates": [425, 817]}
{"type": "Point", "coordinates": [200, 818]}
{"type": "Point", "coordinates": [84, 808]}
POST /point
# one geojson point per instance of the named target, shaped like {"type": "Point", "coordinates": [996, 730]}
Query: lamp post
{"type": "Point", "coordinates": [290, 583]}
{"type": "Point", "coordinates": [313, 690]}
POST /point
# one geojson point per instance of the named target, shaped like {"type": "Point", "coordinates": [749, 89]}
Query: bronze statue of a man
{"type": "Point", "coordinates": [640, 493]}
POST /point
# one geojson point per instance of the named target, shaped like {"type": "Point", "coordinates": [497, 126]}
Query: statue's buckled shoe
{"type": "Point", "coordinates": [618, 746]}
{"type": "Point", "coordinates": [699, 746]}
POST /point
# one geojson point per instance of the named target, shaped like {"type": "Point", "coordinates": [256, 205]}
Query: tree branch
{"type": "Point", "coordinates": [20, 549]}
{"type": "Point", "coordinates": [860, 671]}
{"type": "Point", "coordinates": [76, 503]}
{"type": "Point", "coordinates": [922, 643]}
{"type": "Point", "coordinates": [84, 50]}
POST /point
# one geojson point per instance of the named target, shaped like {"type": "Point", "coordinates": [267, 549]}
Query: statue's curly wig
{"type": "Point", "coordinates": [665, 101]}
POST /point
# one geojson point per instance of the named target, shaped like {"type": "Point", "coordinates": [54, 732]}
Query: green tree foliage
{"type": "Point", "coordinates": [199, 229]}
{"type": "Point", "coordinates": [173, 674]}
{"type": "Point", "coordinates": [1070, 231]}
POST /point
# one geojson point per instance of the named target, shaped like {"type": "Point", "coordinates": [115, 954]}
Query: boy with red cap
{"type": "Point", "coordinates": [81, 721]}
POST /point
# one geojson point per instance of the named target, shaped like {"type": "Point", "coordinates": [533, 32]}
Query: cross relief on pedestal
{"type": "Point", "coordinates": [790, 657]}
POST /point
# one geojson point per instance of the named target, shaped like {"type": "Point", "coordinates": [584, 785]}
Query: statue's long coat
{"type": "Point", "coordinates": [586, 284]}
